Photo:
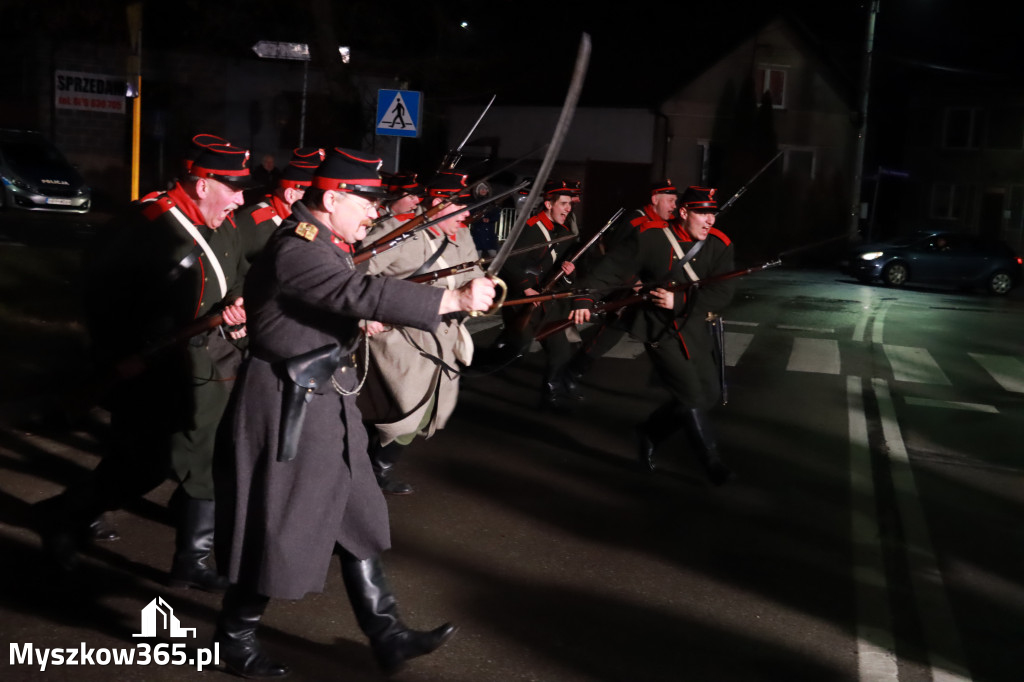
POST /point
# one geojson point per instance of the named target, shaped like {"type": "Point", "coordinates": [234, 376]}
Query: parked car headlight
{"type": "Point", "coordinates": [871, 255]}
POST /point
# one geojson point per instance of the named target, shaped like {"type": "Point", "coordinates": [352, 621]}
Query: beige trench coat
{"type": "Point", "coordinates": [404, 389]}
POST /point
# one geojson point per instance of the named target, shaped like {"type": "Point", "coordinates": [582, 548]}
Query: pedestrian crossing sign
{"type": "Point", "coordinates": [398, 112]}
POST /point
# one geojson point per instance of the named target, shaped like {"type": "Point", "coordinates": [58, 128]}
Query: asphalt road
{"type": "Point", "coordinates": [873, 534]}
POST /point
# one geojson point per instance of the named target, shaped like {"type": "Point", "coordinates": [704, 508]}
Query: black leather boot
{"type": "Point", "coordinates": [698, 428]}
{"type": "Point", "coordinates": [102, 530]}
{"type": "Point", "coordinates": [60, 522]}
{"type": "Point", "coordinates": [659, 425]}
{"type": "Point", "coordinates": [384, 458]}
{"type": "Point", "coordinates": [241, 652]}
{"type": "Point", "coordinates": [192, 547]}
{"type": "Point", "coordinates": [377, 614]}
{"type": "Point", "coordinates": [572, 389]}
{"type": "Point", "coordinates": [579, 365]}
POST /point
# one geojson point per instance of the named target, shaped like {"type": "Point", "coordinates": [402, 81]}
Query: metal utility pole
{"type": "Point", "coordinates": [862, 129]}
{"type": "Point", "coordinates": [135, 87]}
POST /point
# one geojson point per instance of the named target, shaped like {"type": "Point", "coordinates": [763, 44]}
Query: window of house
{"type": "Point", "coordinates": [963, 128]}
{"type": "Point", "coordinates": [772, 80]}
{"type": "Point", "coordinates": [947, 201]}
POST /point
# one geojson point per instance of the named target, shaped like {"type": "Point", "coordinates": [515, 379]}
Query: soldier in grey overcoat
{"type": "Point", "coordinates": [406, 393]}
{"type": "Point", "coordinates": [293, 478]}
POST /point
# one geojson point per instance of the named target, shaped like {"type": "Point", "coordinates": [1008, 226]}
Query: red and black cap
{"type": "Point", "coordinates": [196, 146]}
{"type": "Point", "coordinates": [575, 188]}
{"type": "Point", "coordinates": [299, 171]}
{"type": "Point", "coordinates": [448, 185]}
{"type": "Point", "coordinates": [346, 170]}
{"type": "Point", "coordinates": [663, 187]}
{"type": "Point", "coordinates": [698, 199]}
{"type": "Point", "coordinates": [225, 163]}
{"type": "Point", "coordinates": [558, 188]}
{"type": "Point", "coordinates": [400, 184]}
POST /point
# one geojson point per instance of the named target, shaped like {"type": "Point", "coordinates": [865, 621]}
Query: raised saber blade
{"type": "Point", "coordinates": [473, 129]}
{"type": "Point", "coordinates": [561, 129]}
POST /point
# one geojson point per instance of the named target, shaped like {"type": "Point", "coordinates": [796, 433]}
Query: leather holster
{"type": "Point", "coordinates": [305, 375]}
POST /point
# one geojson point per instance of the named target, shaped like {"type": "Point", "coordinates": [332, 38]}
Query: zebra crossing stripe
{"type": "Point", "coordinates": [820, 356]}
{"type": "Point", "coordinates": [736, 344]}
{"type": "Point", "coordinates": [1007, 370]}
{"type": "Point", "coordinates": [915, 365]}
{"type": "Point", "coordinates": [952, 404]}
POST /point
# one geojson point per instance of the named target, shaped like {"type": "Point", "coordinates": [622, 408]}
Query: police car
{"type": "Point", "coordinates": [36, 176]}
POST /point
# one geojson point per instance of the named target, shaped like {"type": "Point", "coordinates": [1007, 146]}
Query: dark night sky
{"type": "Point", "coordinates": [526, 47]}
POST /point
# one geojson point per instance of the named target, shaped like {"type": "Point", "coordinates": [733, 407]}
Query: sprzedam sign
{"type": "Point", "coordinates": [90, 92]}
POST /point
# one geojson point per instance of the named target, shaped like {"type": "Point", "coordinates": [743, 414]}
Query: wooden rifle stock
{"type": "Point", "coordinates": [645, 295]}
{"type": "Point", "coordinates": [382, 244]}
{"type": "Point", "coordinates": [481, 262]}
{"type": "Point", "coordinates": [555, 276]}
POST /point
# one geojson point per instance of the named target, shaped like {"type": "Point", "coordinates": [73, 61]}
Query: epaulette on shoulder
{"type": "Point", "coordinates": [156, 208]}
{"type": "Point", "coordinates": [534, 220]}
{"type": "Point", "coordinates": [638, 221]}
{"type": "Point", "coordinates": [307, 231]}
{"type": "Point", "coordinates": [721, 235]}
{"type": "Point", "coordinates": [263, 214]}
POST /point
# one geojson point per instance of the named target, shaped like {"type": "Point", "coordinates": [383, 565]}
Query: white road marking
{"type": "Point", "coordinates": [914, 365]}
{"type": "Point", "coordinates": [1007, 370]}
{"type": "Point", "coordinates": [818, 330]}
{"type": "Point", "coordinates": [820, 356]}
{"type": "Point", "coordinates": [735, 323]}
{"type": "Point", "coordinates": [940, 632]}
{"type": "Point", "coordinates": [736, 344]}
{"type": "Point", "coordinates": [876, 649]}
{"type": "Point", "coordinates": [952, 404]}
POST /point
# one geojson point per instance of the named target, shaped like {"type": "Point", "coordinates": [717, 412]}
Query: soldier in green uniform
{"type": "Point", "coordinates": [526, 274]}
{"type": "Point", "coordinates": [257, 221]}
{"type": "Point", "coordinates": [673, 325]}
{"type": "Point", "coordinates": [171, 263]}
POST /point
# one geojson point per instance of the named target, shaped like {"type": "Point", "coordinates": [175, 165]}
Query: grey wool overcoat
{"type": "Point", "coordinates": [278, 522]}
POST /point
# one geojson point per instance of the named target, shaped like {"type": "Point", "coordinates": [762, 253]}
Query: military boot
{"type": "Point", "coordinates": [376, 611]}
{"type": "Point", "coordinates": [698, 427]}
{"type": "Point", "coordinates": [241, 652]}
{"type": "Point", "coordinates": [384, 458]}
{"type": "Point", "coordinates": [192, 547]}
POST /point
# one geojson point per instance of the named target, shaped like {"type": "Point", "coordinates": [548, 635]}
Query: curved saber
{"type": "Point", "coordinates": [473, 129]}
{"type": "Point", "coordinates": [557, 138]}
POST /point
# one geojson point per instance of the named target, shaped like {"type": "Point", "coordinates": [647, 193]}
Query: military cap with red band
{"type": "Point", "coordinates": [559, 188]}
{"type": "Point", "coordinates": [225, 163]}
{"type": "Point", "coordinates": [400, 184]}
{"type": "Point", "coordinates": [663, 187]}
{"type": "Point", "coordinates": [346, 170]}
{"type": "Point", "coordinates": [299, 171]}
{"type": "Point", "coordinates": [447, 185]}
{"type": "Point", "coordinates": [196, 146]}
{"type": "Point", "coordinates": [698, 199]}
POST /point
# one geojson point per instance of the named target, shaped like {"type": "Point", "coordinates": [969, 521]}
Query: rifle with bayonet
{"type": "Point", "coordinates": [418, 222]}
{"type": "Point", "coordinates": [392, 239]}
{"type": "Point", "coordinates": [453, 156]}
{"type": "Point", "coordinates": [641, 297]}
{"type": "Point", "coordinates": [732, 200]}
{"type": "Point", "coordinates": [428, 277]}
{"type": "Point", "coordinates": [522, 320]}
